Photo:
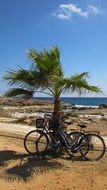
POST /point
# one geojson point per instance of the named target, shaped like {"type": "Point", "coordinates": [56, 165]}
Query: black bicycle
{"type": "Point", "coordinates": [51, 140]}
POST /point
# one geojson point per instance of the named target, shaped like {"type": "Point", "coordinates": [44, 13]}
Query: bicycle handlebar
{"type": "Point", "coordinates": [48, 115]}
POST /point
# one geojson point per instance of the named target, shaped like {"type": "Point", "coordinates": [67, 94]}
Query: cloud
{"type": "Point", "coordinates": [94, 9]}
{"type": "Point", "coordinates": [66, 11]}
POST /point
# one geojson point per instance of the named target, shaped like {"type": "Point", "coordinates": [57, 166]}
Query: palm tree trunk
{"type": "Point", "coordinates": [56, 113]}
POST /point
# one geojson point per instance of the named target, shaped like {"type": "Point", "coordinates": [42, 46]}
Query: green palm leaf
{"type": "Point", "coordinates": [19, 92]}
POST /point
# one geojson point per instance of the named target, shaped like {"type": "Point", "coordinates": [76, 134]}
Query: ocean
{"type": "Point", "coordinates": [80, 101]}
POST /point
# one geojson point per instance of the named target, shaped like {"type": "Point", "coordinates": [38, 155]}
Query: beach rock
{"type": "Point", "coordinates": [31, 121]}
{"type": "Point", "coordinates": [83, 121]}
{"type": "Point", "coordinates": [4, 113]}
{"type": "Point", "coordinates": [104, 117]}
{"type": "Point", "coordinates": [22, 102]}
{"type": "Point", "coordinates": [74, 119]}
{"type": "Point", "coordinates": [66, 106]}
{"type": "Point", "coordinates": [72, 114]}
{"type": "Point", "coordinates": [103, 106]}
{"type": "Point", "coordinates": [68, 121]}
{"type": "Point", "coordinates": [21, 119]}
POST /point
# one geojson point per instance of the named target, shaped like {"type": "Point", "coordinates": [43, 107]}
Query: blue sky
{"type": "Point", "coordinates": [77, 27]}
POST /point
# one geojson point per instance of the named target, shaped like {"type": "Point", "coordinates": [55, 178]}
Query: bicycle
{"type": "Point", "coordinates": [77, 144]}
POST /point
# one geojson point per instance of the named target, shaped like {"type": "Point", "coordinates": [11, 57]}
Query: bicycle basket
{"type": "Point", "coordinates": [39, 122]}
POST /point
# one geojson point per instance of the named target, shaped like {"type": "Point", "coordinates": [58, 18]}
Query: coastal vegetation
{"type": "Point", "coordinates": [46, 75]}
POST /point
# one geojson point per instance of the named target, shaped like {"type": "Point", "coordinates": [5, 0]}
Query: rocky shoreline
{"type": "Point", "coordinates": [26, 111]}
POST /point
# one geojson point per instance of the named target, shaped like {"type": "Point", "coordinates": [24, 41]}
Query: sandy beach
{"type": "Point", "coordinates": [18, 170]}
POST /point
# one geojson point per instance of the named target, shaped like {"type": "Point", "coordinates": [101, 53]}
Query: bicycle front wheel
{"type": "Point", "coordinates": [96, 147]}
{"type": "Point", "coordinates": [30, 141]}
{"type": "Point", "coordinates": [42, 145]}
{"type": "Point", "coordinates": [75, 140]}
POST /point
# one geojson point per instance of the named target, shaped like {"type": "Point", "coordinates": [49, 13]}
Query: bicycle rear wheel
{"type": "Point", "coordinates": [30, 141]}
{"type": "Point", "coordinates": [96, 147]}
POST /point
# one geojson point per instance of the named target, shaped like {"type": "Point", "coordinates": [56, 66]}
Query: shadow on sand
{"type": "Point", "coordinates": [21, 167]}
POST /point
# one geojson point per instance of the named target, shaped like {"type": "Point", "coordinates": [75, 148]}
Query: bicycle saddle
{"type": "Point", "coordinates": [82, 125]}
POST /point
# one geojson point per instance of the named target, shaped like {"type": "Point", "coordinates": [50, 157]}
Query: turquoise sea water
{"type": "Point", "coordinates": [87, 101]}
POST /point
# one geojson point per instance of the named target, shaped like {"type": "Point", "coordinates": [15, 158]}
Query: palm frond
{"type": "Point", "coordinates": [17, 76]}
{"type": "Point", "coordinates": [47, 62]}
{"type": "Point", "coordinates": [75, 83]}
{"type": "Point", "coordinates": [26, 78]}
{"type": "Point", "coordinates": [80, 84]}
{"type": "Point", "coordinates": [19, 92]}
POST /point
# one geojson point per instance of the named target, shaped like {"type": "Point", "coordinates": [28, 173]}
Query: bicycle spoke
{"type": "Point", "coordinates": [96, 146]}
{"type": "Point", "coordinates": [30, 142]}
{"type": "Point", "coordinates": [42, 145]}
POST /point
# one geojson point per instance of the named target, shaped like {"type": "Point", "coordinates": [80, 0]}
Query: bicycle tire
{"type": "Point", "coordinates": [75, 139]}
{"type": "Point", "coordinates": [96, 147]}
{"type": "Point", "coordinates": [43, 139]}
{"type": "Point", "coordinates": [30, 141]}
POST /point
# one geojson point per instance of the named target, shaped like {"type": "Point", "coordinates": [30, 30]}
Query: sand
{"type": "Point", "coordinates": [19, 171]}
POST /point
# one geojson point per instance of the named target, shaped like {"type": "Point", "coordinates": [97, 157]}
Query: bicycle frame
{"type": "Point", "coordinates": [63, 137]}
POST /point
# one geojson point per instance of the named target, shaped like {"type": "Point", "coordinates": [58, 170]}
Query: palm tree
{"type": "Point", "coordinates": [46, 75]}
